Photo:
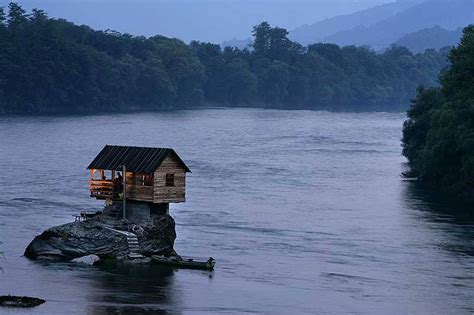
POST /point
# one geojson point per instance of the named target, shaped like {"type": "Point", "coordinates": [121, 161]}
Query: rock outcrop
{"type": "Point", "coordinates": [101, 236]}
{"type": "Point", "coordinates": [20, 301]}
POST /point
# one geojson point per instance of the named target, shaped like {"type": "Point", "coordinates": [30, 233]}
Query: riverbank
{"type": "Point", "coordinates": [207, 106]}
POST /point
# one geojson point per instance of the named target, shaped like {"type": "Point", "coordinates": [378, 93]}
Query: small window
{"type": "Point", "coordinates": [147, 180]}
{"type": "Point", "coordinates": [169, 180]}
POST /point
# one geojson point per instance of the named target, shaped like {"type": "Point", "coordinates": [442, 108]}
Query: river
{"type": "Point", "coordinates": [304, 212]}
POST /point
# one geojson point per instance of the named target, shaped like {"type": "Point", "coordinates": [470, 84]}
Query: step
{"type": "Point", "coordinates": [135, 256]}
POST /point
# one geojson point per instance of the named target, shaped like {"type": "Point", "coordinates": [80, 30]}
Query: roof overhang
{"type": "Point", "coordinates": [143, 160]}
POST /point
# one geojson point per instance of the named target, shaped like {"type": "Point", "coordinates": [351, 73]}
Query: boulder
{"type": "Point", "coordinates": [156, 237]}
{"type": "Point", "coordinates": [20, 301]}
{"type": "Point", "coordinates": [87, 260]}
{"type": "Point", "coordinates": [94, 237]}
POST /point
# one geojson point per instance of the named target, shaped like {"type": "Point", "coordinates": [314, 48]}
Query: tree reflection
{"type": "Point", "coordinates": [444, 213]}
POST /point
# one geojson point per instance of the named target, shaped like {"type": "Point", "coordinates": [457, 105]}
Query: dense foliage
{"type": "Point", "coordinates": [53, 66]}
{"type": "Point", "coordinates": [438, 137]}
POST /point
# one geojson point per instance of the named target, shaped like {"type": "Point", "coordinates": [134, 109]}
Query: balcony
{"type": "Point", "coordinates": [101, 189]}
{"type": "Point", "coordinates": [104, 189]}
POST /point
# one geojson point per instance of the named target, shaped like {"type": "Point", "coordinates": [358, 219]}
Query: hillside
{"type": "Point", "coordinates": [450, 14]}
{"type": "Point", "coordinates": [381, 26]}
{"type": "Point", "coordinates": [430, 38]}
{"type": "Point", "coordinates": [238, 43]}
{"type": "Point", "coordinates": [320, 31]}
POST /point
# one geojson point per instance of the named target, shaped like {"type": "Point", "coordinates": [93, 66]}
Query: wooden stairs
{"type": "Point", "coordinates": [132, 241]}
{"type": "Point", "coordinates": [133, 246]}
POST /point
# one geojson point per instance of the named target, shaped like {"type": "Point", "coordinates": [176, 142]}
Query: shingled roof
{"type": "Point", "coordinates": [136, 159]}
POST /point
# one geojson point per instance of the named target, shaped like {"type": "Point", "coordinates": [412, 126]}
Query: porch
{"type": "Point", "coordinates": [138, 187]}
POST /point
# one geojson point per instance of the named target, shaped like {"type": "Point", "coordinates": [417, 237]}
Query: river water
{"type": "Point", "coordinates": [304, 212]}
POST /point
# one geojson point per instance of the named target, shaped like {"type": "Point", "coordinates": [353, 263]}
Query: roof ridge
{"type": "Point", "coordinates": [134, 146]}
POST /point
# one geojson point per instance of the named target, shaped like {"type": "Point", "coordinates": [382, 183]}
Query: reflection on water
{"type": "Point", "coordinates": [422, 197]}
{"type": "Point", "coordinates": [304, 211]}
{"type": "Point", "coordinates": [133, 288]}
{"type": "Point", "coordinates": [448, 214]}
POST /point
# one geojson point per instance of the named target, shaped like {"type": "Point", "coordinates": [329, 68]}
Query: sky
{"type": "Point", "coordinates": [205, 20]}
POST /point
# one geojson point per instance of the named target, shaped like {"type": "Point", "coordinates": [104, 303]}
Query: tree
{"type": "Point", "coordinates": [279, 43]}
{"type": "Point", "coordinates": [458, 82]}
{"type": "Point", "coordinates": [240, 84]}
{"type": "Point", "coordinates": [416, 128]}
{"type": "Point", "coordinates": [16, 15]}
{"type": "Point", "coordinates": [274, 87]}
{"type": "Point", "coordinates": [263, 37]}
{"type": "Point", "coordinates": [38, 16]}
{"type": "Point", "coordinates": [2, 16]}
{"type": "Point", "coordinates": [438, 137]}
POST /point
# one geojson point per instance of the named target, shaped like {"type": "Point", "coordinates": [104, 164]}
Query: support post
{"type": "Point", "coordinates": [91, 183]}
{"type": "Point", "coordinates": [124, 192]}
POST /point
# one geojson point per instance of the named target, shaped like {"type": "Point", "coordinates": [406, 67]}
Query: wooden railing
{"type": "Point", "coordinates": [104, 189]}
{"type": "Point", "coordinates": [101, 188]}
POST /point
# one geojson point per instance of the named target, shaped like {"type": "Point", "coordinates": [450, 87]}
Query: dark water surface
{"type": "Point", "coordinates": [304, 211]}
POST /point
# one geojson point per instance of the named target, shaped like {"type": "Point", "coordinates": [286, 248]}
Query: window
{"type": "Point", "coordinates": [169, 180]}
{"type": "Point", "coordinates": [147, 180]}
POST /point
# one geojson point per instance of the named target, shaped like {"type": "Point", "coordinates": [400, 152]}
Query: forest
{"type": "Point", "coordinates": [438, 137]}
{"type": "Point", "coordinates": [52, 66]}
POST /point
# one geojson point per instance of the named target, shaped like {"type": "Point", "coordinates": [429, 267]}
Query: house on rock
{"type": "Point", "coordinates": [138, 182]}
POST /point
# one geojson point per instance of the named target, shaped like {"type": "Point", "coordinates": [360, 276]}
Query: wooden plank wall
{"type": "Point", "coordinates": [164, 194]}
{"type": "Point", "coordinates": [140, 193]}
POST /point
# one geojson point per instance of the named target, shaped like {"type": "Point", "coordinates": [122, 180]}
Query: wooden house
{"type": "Point", "coordinates": [153, 177]}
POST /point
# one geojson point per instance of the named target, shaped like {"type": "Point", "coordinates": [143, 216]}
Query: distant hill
{"type": "Point", "coordinates": [434, 37]}
{"type": "Point", "coordinates": [237, 43]}
{"type": "Point", "coordinates": [383, 25]}
{"type": "Point", "coordinates": [447, 14]}
{"type": "Point", "coordinates": [319, 31]}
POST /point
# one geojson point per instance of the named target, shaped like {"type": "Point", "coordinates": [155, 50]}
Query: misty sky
{"type": "Point", "coordinates": [205, 20]}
